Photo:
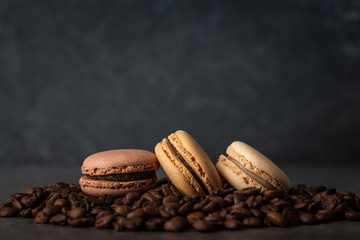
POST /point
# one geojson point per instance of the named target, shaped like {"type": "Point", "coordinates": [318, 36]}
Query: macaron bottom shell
{"type": "Point", "coordinates": [101, 187]}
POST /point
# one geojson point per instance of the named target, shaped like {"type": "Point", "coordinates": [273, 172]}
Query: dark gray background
{"type": "Point", "coordinates": [77, 77]}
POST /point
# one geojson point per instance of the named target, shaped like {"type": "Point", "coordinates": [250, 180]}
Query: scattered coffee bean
{"type": "Point", "coordinates": [104, 222]}
{"type": "Point", "coordinates": [155, 224]}
{"type": "Point", "coordinates": [41, 218]}
{"type": "Point", "coordinates": [8, 212]}
{"type": "Point", "coordinates": [352, 215]}
{"type": "Point", "coordinates": [176, 224]}
{"type": "Point", "coordinates": [233, 224]}
{"type": "Point", "coordinates": [307, 218]}
{"type": "Point", "coordinates": [164, 208]}
{"type": "Point", "coordinates": [59, 219]}
{"type": "Point", "coordinates": [277, 219]}
{"type": "Point", "coordinates": [202, 226]}
{"type": "Point", "coordinates": [252, 222]}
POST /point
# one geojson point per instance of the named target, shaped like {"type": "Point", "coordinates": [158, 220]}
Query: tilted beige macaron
{"type": "Point", "coordinates": [246, 167]}
{"type": "Point", "coordinates": [187, 165]}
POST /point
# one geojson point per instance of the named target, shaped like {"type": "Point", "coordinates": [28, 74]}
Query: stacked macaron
{"type": "Point", "coordinates": [117, 172]}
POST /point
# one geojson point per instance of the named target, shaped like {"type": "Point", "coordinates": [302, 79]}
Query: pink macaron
{"type": "Point", "coordinates": [117, 172]}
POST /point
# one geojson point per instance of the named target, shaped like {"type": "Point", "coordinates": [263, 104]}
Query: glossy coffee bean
{"type": "Point", "coordinates": [252, 222]}
{"type": "Point", "coordinates": [176, 224]}
{"type": "Point", "coordinates": [277, 219]}
{"type": "Point", "coordinates": [233, 224]}
{"type": "Point", "coordinates": [352, 215]}
{"type": "Point", "coordinates": [202, 226]}
{"type": "Point", "coordinates": [155, 224]}
{"type": "Point", "coordinates": [307, 218]}
{"type": "Point", "coordinates": [59, 219]}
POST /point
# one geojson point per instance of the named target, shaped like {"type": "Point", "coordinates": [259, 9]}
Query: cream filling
{"type": "Point", "coordinates": [255, 177]}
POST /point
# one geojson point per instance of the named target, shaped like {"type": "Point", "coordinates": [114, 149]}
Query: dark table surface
{"type": "Point", "coordinates": [18, 179]}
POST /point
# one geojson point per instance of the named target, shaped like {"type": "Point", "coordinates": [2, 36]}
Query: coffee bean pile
{"type": "Point", "coordinates": [164, 208]}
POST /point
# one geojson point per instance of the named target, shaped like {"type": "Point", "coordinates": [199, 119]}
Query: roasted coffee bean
{"type": "Point", "coordinates": [61, 203]}
{"type": "Point", "coordinates": [165, 189]}
{"type": "Point", "coordinates": [49, 211]}
{"type": "Point", "coordinates": [59, 219]}
{"type": "Point", "coordinates": [319, 196]}
{"type": "Point", "coordinates": [170, 198]}
{"type": "Point", "coordinates": [173, 205]}
{"type": "Point", "coordinates": [313, 207]}
{"type": "Point", "coordinates": [311, 191]}
{"type": "Point", "coordinates": [212, 206]}
{"type": "Point", "coordinates": [291, 215]}
{"type": "Point", "coordinates": [26, 213]}
{"type": "Point", "coordinates": [254, 201]}
{"type": "Point", "coordinates": [229, 199]}
{"type": "Point", "coordinates": [104, 222]}
{"type": "Point", "coordinates": [139, 213]}
{"type": "Point", "coordinates": [175, 192]}
{"type": "Point", "coordinates": [221, 201]}
{"type": "Point", "coordinates": [194, 216]}
{"type": "Point", "coordinates": [329, 202]}
{"type": "Point", "coordinates": [218, 192]}
{"type": "Point", "coordinates": [198, 206]}
{"type": "Point", "coordinates": [18, 196]}
{"type": "Point", "coordinates": [202, 226]}
{"type": "Point", "coordinates": [34, 189]}
{"type": "Point", "coordinates": [8, 212]}
{"type": "Point", "coordinates": [238, 197]}
{"type": "Point", "coordinates": [155, 224]}
{"type": "Point", "coordinates": [268, 208]}
{"type": "Point", "coordinates": [122, 210]}
{"type": "Point", "coordinates": [138, 203]}
{"type": "Point", "coordinates": [120, 201]}
{"type": "Point", "coordinates": [167, 212]}
{"type": "Point", "coordinates": [96, 211]}
{"type": "Point", "coordinates": [134, 223]}
{"type": "Point", "coordinates": [267, 222]}
{"type": "Point", "coordinates": [16, 204]}
{"type": "Point", "coordinates": [79, 222]}
{"type": "Point", "coordinates": [176, 224]}
{"type": "Point", "coordinates": [216, 220]}
{"type": "Point", "coordinates": [307, 218]}
{"type": "Point", "coordinates": [339, 210]}
{"type": "Point", "coordinates": [277, 219]}
{"type": "Point", "coordinates": [41, 218]}
{"type": "Point", "coordinates": [78, 212]}
{"type": "Point", "coordinates": [29, 201]}
{"type": "Point", "coordinates": [280, 204]}
{"type": "Point", "coordinates": [196, 198]}
{"type": "Point", "coordinates": [233, 224]}
{"type": "Point", "coordinates": [300, 206]}
{"type": "Point", "coordinates": [103, 213]}
{"type": "Point", "coordinates": [52, 198]}
{"type": "Point", "coordinates": [250, 191]}
{"type": "Point", "coordinates": [270, 194]}
{"type": "Point", "coordinates": [239, 213]}
{"type": "Point", "coordinates": [118, 227]}
{"type": "Point", "coordinates": [151, 198]}
{"type": "Point", "coordinates": [186, 208]}
{"type": "Point", "coordinates": [151, 209]}
{"type": "Point", "coordinates": [257, 213]}
{"type": "Point", "coordinates": [323, 216]}
{"type": "Point", "coordinates": [252, 222]}
{"type": "Point", "coordinates": [352, 215]}
{"type": "Point", "coordinates": [106, 199]}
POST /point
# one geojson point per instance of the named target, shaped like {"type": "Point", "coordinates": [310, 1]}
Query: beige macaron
{"type": "Point", "coordinates": [187, 165]}
{"type": "Point", "coordinates": [246, 167]}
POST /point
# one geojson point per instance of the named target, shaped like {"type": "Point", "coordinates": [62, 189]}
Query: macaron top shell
{"type": "Point", "coordinates": [257, 163]}
{"type": "Point", "coordinates": [119, 161]}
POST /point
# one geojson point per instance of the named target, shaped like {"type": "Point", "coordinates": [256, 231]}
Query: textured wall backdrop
{"type": "Point", "coordinates": [77, 77]}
